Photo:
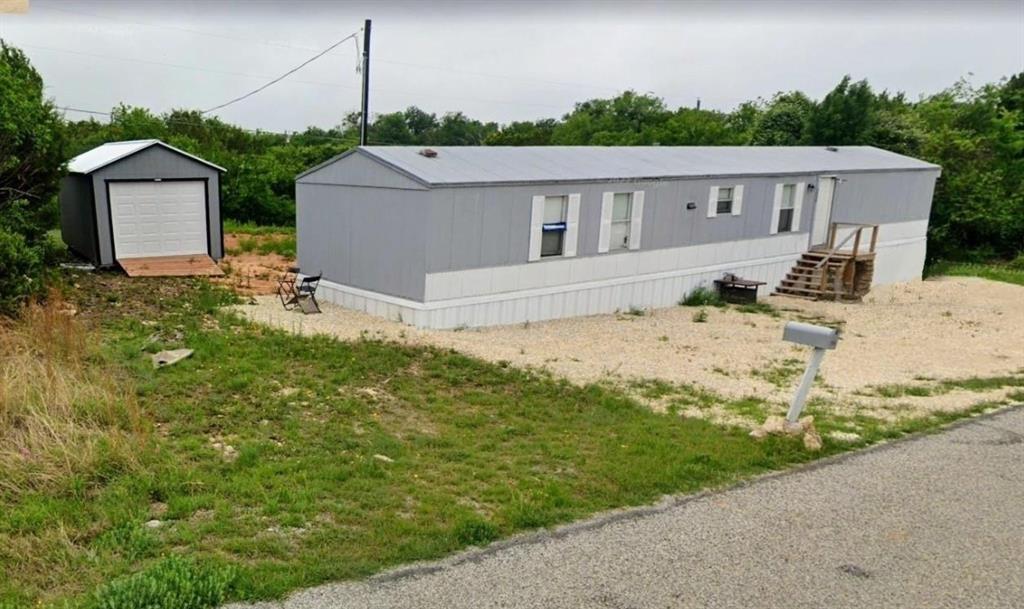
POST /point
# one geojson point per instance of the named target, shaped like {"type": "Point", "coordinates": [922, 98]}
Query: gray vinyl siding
{"type": "Point", "coordinates": [357, 169]}
{"type": "Point", "coordinates": [475, 227]}
{"type": "Point", "coordinates": [150, 163]}
{"type": "Point", "coordinates": [369, 238]}
{"type": "Point", "coordinates": [77, 222]}
{"type": "Point", "coordinates": [485, 226]}
{"type": "Point", "coordinates": [884, 197]}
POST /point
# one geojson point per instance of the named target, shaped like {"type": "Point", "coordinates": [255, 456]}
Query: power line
{"type": "Point", "coordinates": [479, 74]}
{"type": "Point", "coordinates": [353, 140]}
{"type": "Point", "coordinates": [307, 48]}
{"type": "Point", "coordinates": [178, 28]}
{"type": "Point", "coordinates": [179, 66]}
{"type": "Point", "coordinates": [460, 98]}
{"type": "Point", "coordinates": [285, 75]}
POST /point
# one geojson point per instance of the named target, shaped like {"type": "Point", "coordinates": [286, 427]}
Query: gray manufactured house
{"type": "Point", "coordinates": [140, 199]}
{"type": "Point", "coordinates": [474, 236]}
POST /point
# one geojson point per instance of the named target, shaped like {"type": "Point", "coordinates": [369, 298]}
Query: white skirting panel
{"type": "Point", "coordinates": [899, 261]}
{"type": "Point", "coordinates": [605, 284]}
{"type": "Point", "coordinates": [590, 298]}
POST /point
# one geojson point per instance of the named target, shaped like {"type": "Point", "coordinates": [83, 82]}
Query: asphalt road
{"type": "Point", "coordinates": [934, 521]}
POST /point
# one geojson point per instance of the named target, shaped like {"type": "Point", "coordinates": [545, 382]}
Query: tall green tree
{"type": "Point", "coordinates": [524, 133]}
{"type": "Point", "coordinates": [630, 119]}
{"type": "Point", "coordinates": [32, 157]}
{"type": "Point", "coordinates": [844, 116]}
{"type": "Point", "coordinates": [784, 121]}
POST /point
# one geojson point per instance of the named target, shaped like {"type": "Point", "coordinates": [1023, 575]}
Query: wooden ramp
{"type": "Point", "coordinates": [170, 266]}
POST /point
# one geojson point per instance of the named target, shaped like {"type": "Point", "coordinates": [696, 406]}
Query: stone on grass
{"type": "Point", "coordinates": [154, 524]}
{"type": "Point", "coordinates": [779, 426]}
{"type": "Point", "coordinates": [384, 458]}
{"type": "Point", "coordinates": [846, 437]}
{"type": "Point", "coordinates": [172, 356]}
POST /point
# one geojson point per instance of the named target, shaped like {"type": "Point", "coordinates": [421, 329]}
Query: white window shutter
{"type": "Point", "coordinates": [572, 226]}
{"type": "Point", "coordinates": [713, 202]}
{"type": "Point", "coordinates": [798, 203]}
{"type": "Point", "coordinates": [776, 206]}
{"type": "Point", "coordinates": [737, 200]}
{"type": "Point", "coordinates": [536, 227]}
{"type": "Point", "coordinates": [605, 235]}
{"type": "Point", "coordinates": [635, 223]}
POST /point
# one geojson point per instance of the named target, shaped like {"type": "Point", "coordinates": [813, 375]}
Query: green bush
{"type": "Point", "coordinates": [172, 583]}
{"type": "Point", "coordinates": [1017, 263]}
{"type": "Point", "coordinates": [22, 269]}
{"type": "Point", "coordinates": [702, 297]}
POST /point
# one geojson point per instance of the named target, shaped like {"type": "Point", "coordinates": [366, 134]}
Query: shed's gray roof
{"type": "Point", "coordinates": [108, 153]}
{"type": "Point", "coordinates": [515, 164]}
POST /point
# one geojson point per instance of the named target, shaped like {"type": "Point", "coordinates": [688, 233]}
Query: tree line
{"type": "Point", "coordinates": [976, 133]}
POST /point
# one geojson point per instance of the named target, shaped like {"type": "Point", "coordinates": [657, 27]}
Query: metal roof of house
{"type": "Point", "coordinates": [104, 155]}
{"type": "Point", "coordinates": [516, 164]}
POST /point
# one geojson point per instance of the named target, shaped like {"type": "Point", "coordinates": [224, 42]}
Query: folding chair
{"type": "Point", "coordinates": [286, 288]}
{"type": "Point", "coordinates": [300, 293]}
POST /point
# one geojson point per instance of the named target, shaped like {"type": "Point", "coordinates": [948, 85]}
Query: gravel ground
{"type": "Point", "coordinates": [936, 329]}
{"type": "Point", "coordinates": [935, 521]}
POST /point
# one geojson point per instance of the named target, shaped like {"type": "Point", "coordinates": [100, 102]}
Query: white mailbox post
{"type": "Point", "coordinates": [822, 339]}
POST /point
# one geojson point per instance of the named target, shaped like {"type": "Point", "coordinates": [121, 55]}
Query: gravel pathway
{"type": "Point", "coordinates": [935, 521]}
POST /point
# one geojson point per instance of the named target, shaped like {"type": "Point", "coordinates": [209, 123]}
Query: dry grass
{"type": "Point", "coordinates": [61, 414]}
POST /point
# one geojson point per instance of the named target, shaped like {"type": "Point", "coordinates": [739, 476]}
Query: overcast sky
{"type": "Point", "coordinates": [500, 61]}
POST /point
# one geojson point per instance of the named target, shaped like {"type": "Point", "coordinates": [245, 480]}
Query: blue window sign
{"type": "Point", "coordinates": [548, 226]}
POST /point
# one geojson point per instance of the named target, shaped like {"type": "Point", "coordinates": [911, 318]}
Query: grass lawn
{"type": "Point", "coordinates": [272, 461]}
{"type": "Point", "coordinates": [995, 272]}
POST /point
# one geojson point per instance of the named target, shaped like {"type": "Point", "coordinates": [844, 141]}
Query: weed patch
{"type": "Point", "coordinates": [702, 297]}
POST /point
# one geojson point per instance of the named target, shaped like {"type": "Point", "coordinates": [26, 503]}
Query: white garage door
{"type": "Point", "coordinates": [158, 218]}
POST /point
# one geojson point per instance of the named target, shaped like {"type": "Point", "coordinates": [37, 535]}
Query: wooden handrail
{"type": "Point", "coordinates": [835, 249]}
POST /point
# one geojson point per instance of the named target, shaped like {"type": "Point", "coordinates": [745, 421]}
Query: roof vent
{"type": "Point", "coordinates": [430, 153]}
{"type": "Point", "coordinates": [831, 149]}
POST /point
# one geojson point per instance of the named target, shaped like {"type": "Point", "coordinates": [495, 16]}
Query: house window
{"type": "Point", "coordinates": [786, 208]}
{"type": "Point", "coordinates": [622, 217]}
{"type": "Point", "coordinates": [553, 237]}
{"type": "Point", "coordinates": [724, 200]}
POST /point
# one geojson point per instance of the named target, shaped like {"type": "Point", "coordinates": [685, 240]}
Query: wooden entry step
{"type": "Point", "coordinates": [170, 266]}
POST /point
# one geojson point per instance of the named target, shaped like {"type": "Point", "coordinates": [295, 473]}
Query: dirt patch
{"type": "Point", "coordinates": [907, 334]}
{"type": "Point", "coordinates": [251, 273]}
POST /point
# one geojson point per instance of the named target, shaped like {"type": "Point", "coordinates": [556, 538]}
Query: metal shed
{"type": "Point", "coordinates": [474, 236]}
{"type": "Point", "coordinates": [141, 200]}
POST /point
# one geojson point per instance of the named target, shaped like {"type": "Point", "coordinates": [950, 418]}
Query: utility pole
{"type": "Point", "coordinates": [364, 116]}
{"type": "Point", "coordinates": [698, 103]}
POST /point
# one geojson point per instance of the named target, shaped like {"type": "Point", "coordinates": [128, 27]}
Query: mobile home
{"type": "Point", "coordinates": [473, 236]}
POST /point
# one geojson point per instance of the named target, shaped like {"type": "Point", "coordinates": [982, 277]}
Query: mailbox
{"type": "Point", "coordinates": [818, 337]}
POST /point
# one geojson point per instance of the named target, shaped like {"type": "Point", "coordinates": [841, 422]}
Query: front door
{"type": "Point", "coordinates": [823, 211]}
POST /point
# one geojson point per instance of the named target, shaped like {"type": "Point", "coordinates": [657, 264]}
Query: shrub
{"type": "Point", "coordinates": [702, 297]}
{"type": "Point", "coordinates": [22, 267]}
{"type": "Point", "coordinates": [1017, 263]}
{"type": "Point", "coordinates": [172, 583]}
{"type": "Point", "coordinates": [701, 316]}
